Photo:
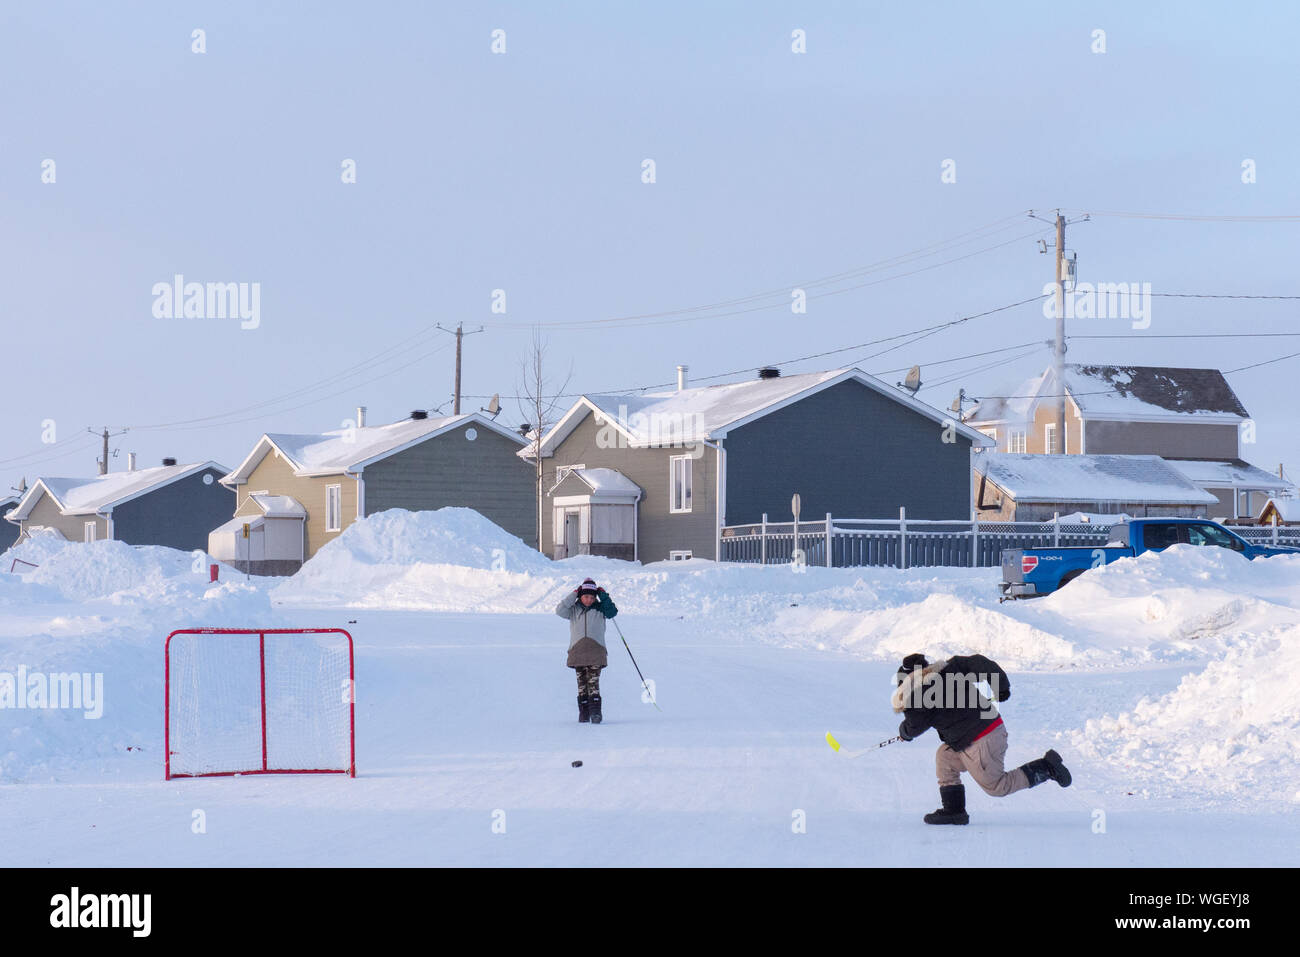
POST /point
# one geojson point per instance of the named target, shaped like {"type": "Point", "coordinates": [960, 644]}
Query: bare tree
{"type": "Point", "coordinates": [541, 402]}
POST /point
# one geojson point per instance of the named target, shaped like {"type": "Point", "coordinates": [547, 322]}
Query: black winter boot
{"type": "Point", "coordinates": [584, 708]}
{"type": "Point", "coordinates": [954, 806]}
{"type": "Point", "coordinates": [1047, 768]}
{"type": "Point", "coordinates": [594, 705]}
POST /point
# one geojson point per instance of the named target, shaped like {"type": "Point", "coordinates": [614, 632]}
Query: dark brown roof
{"type": "Point", "coordinates": [1168, 388]}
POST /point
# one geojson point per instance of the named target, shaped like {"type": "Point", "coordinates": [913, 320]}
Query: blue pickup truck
{"type": "Point", "coordinates": [1040, 571]}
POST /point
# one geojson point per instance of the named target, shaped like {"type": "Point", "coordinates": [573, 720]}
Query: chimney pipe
{"type": "Point", "coordinates": [169, 461]}
{"type": "Point", "coordinates": [361, 417]}
{"type": "Point", "coordinates": [130, 461]}
{"type": "Point", "coordinates": [769, 372]}
{"type": "Point", "coordinates": [681, 378]}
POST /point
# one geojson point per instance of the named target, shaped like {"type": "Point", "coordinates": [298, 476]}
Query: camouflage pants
{"type": "Point", "coordinates": [588, 679]}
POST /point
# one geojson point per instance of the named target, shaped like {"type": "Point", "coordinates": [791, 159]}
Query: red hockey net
{"type": "Point", "coordinates": [259, 701]}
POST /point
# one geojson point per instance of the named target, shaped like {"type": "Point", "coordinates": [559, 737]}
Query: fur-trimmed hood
{"type": "Point", "coordinates": [912, 683]}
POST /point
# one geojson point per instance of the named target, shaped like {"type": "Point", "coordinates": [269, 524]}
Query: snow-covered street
{"type": "Point", "coordinates": [1181, 736]}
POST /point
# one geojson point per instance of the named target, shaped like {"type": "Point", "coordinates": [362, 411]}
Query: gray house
{"type": "Point", "coordinates": [658, 476]}
{"type": "Point", "coordinates": [295, 493]}
{"type": "Point", "coordinates": [172, 505]}
{"type": "Point", "coordinates": [1190, 417]}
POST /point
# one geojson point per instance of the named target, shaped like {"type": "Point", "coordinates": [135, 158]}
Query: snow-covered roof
{"type": "Point", "coordinates": [1122, 393]}
{"type": "Point", "coordinates": [88, 496]}
{"type": "Point", "coordinates": [689, 416]}
{"type": "Point", "coordinates": [1209, 473]}
{"type": "Point", "coordinates": [279, 506]}
{"type": "Point", "coordinates": [1095, 518]}
{"type": "Point", "coordinates": [607, 480]}
{"type": "Point", "coordinates": [347, 450]}
{"type": "Point", "coordinates": [1116, 391]}
{"type": "Point", "coordinates": [1137, 479]}
{"type": "Point", "coordinates": [587, 486]}
{"type": "Point", "coordinates": [1016, 404]}
{"type": "Point", "coordinates": [1288, 509]}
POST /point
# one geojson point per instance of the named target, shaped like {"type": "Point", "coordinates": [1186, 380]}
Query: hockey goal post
{"type": "Point", "coordinates": [258, 701]}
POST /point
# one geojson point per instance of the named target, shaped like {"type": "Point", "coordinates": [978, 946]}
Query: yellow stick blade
{"type": "Point", "coordinates": [830, 739]}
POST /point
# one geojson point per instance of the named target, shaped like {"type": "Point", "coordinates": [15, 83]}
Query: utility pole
{"type": "Point", "coordinates": [460, 334]}
{"type": "Point", "coordinates": [103, 462]}
{"type": "Point", "coordinates": [1058, 351]}
{"type": "Point", "coordinates": [1058, 355]}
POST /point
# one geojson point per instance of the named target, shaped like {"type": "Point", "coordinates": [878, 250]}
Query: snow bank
{"type": "Point", "coordinates": [100, 610]}
{"type": "Point", "coordinates": [1184, 604]}
{"type": "Point", "coordinates": [1231, 729]}
{"type": "Point", "coordinates": [443, 560]}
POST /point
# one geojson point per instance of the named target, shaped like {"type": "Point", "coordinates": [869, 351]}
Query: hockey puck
{"type": "Point", "coordinates": [577, 764]}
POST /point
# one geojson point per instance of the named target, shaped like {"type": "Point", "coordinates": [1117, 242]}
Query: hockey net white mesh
{"type": "Point", "coordinates": [259, 702]}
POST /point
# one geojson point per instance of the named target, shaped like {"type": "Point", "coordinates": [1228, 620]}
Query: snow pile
{"type": "Point", "coordinates": [99, 611]}
{"type": "Point", "coordinates": [1230, 730]}
{"type": "Point", "coordinates": [448, 559]}
{"type": "Point", "coordinates": [1186, 601]}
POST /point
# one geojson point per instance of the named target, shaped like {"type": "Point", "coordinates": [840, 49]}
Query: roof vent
{"type": "Point", "coordinates": [419, 414]}
{"type": "Point", "coordinates": [769, 372]}
{"type": "Point", "coordinates": [169, 461]}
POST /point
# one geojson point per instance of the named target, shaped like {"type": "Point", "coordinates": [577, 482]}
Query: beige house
{"type": "Point", "coordinates": [1190, 417]}
{"type": "Point", "coordinates": [297, 492]}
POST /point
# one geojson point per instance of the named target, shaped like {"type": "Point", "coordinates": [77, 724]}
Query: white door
{"type": "Point", "coordinates": [571, 539]}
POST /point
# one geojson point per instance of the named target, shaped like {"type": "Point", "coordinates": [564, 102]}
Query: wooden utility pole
{"type": "Point", "coordinates": [103, 462]}
{"type": "Point", "coordinates": [1058, 356]}
{"type": "Point", "coordinates": [460, 335]}
{"type": "Point", "coordinates": [1058, 351]}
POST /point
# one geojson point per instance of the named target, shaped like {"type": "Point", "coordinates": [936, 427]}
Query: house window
{"type": "Point", "coordinates": [679, 491]}
{"type": "Point", "coordinates": [1049, 438]}
{"type": "Point", "coordinates": [992, 434]}
{"type": "Point", "coordinates": [1016, 440]}
{"type": "Point", "coordinates": [90, 531]}
{"type": "Point", "coordinates": [680, 555]}
{"type": "Point", "coordinates": [333, 507]}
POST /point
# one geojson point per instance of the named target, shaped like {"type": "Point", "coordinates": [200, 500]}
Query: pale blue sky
{"type": "Point", "coordinates": [523, 172]}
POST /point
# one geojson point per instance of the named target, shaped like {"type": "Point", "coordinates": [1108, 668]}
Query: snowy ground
{"type": "Point", "coordinates": [1167, 682]}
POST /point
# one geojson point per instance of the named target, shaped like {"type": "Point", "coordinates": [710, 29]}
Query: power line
{"type": "Point", "coordinates": [913, 336]}
{"type": "Point", "coordinates": [1206, 295]}
{"type": "Point", "coordinates": [782, 304]}
{"type": "Point", "coordinates": [982, 368]}
{"type": "Point", "coordinates": [186, 426]}
{"type": "Point", "coordinates": [1197, 335]}
{"type": "Point", "coordinates": [1264, 363]}
{"type": "Point", "coordinates": [1193, 217]}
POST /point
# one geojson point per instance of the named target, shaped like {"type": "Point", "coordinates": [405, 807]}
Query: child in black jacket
{"type": "Point", "coordinates": [945, 696]}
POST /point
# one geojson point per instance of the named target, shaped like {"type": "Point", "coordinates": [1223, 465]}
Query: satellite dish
{"type": "Point", "coordinates": [913, 381]}
{"type": "Point", "coordinates": [494, 407]}
{"type": "Point", "coordinates": [956, 405]}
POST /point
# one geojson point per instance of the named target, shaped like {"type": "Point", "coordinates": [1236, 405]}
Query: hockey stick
{"type": "Point", "coordinates": [835, 746]}
{"type": "Point", "coordinates": [638, 669]}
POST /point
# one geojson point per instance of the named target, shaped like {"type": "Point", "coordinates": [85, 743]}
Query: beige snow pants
{"type": "Point", "coordinates": [983, 761]}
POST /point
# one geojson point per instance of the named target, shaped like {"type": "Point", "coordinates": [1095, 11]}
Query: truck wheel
{"type": "Point", "coordinates": [1067, 578]}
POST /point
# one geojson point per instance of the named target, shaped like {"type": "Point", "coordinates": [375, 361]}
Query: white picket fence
{"type": "Point", "coordinates": [911, 543]}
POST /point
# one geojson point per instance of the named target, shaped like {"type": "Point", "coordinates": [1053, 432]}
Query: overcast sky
{"type": "Point", "coordinates": [523, 171]}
